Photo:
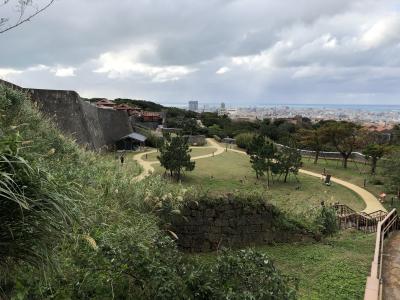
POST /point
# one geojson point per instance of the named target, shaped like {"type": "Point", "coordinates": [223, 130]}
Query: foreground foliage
{"type": "Point", "coordinates": [35, 209]}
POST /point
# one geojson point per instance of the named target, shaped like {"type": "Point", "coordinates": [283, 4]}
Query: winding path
{"type": "Point", "coordinates": [371, 202]}
{"type": "Point", "coordinates": [148, 165]}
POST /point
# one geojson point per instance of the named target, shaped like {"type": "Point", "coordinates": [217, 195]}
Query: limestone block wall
{"type": "Point", "coordinates": [208, 226]}
{"type": "Point", "coordinates": [91, 127]}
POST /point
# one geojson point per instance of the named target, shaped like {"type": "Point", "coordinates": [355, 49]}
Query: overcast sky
{"type": "Point", "coordinates": [242, 52]}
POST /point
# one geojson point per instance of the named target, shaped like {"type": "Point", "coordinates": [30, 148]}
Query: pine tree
{"type": "Point", "coordinates": [287, 161]}
{"type": "Point", "coordinates": [175, 156]}
{"type": "Point", "coordinates": [262, 155]}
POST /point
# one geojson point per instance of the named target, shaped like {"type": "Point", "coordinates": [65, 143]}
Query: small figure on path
{"type": "Point", "coordinates": [122, 159]}
{"type": "Point", "coordinates": [382, 197]}
{"type": "Point", "coordinates": [146, 156]}
{"type": "Point", "coordinates": [328, 179]}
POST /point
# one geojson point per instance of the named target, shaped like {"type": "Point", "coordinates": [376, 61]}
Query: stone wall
{"type": "Point", "coordinates": [92, 127]}
{"type": "Point", "coordinates": [208, 226]}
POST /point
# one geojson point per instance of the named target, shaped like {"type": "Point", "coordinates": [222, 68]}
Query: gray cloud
{"type": "Point", "coordinates": [238, 51]}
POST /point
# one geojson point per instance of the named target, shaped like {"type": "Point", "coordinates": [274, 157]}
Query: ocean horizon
{"type": "Point", "coordinates": [371, 107]}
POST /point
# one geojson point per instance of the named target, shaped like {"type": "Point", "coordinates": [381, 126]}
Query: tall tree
{"type": "Point", "coordinates": [20, 12]}
{"type": "Point", "coordinates": [288, 160]}
{"type": "Point", "coordinates": [374, 152]}
{"type": "Point", "coordinates": [343, 136]}
{"type": "Point", "coordinates": [313, 139]}
{"type": "Point", "coordinates": [391, 167]}
{"type": "Point", "coordinates": [262, 155]}
{"type": "Point", "coordinates": [175, 156]}
{"type": "Point", "coordinates": [258, 155]}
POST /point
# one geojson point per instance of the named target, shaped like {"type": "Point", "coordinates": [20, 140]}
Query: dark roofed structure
{"type": "Point", "coordinates": [131, 141]}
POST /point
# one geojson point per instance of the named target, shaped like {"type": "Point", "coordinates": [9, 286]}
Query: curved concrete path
{"type": "Point", "coordinates": [148, 165]}
{"type": "Point", "coordinates": [372, 204]}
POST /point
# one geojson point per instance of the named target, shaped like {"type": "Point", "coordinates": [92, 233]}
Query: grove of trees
{"type": "Point", "coordinates": [266, 158]}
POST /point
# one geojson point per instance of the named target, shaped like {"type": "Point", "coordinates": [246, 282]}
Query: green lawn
{"type": "Point", "coordinates": [336, 268]}
{"type": "Point", "coordinates": [231, 171]}
{"type": "Point", "coordinates": [196, 151]}
{"type": "Point", "coordinates": [355, 173]}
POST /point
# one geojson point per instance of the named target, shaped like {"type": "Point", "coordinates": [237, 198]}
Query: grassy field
{"type": "Point", "coordinates": [231, 171]}
{"type": "Point", "coordinates": [196, 151]}
{"type": "Point", "coordinates": [336, 268]}
{"type": "Point", "coordinates": [355, 173]}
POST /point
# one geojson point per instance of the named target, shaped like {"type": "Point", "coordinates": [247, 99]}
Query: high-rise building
{"type": "Point", "coordinates": [222, 105]}
{"type": "Point", "coordinates": [194, 105]}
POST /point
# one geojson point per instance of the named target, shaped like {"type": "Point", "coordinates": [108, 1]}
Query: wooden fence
{"type": "Point", "coordinates": [349, 218]}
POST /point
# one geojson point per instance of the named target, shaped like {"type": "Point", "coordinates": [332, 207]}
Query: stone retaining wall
{"type": "Point", "coordinates": [206, 226]}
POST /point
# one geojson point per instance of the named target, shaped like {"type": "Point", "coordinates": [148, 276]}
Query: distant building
{"type": "Point", "coordinates": [150, 116]}
{"type": "Point", "coordinates": [131, 141]}
{"type": "Point", "coordinates": [222, 105]}
{"type": "Point", "coordinates": [104, 103]}
{"type": "Point", "coordinates": [194, 105]}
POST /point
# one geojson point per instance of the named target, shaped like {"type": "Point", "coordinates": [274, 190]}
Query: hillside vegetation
{"type": "Point", "coordinates": [79, 227]}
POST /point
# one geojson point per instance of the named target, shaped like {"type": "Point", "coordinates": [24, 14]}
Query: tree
{"type": "Point", "coordinates": [313, 139]}
{"type": "Point", "coordinates": [343, 136]}
{"type": "Point", "coordinates": [374, 152]}
{"type": "Point", "coordinates": [391, 167]}
{"type": "Point", "coordinates": [395, 135]}
{"type": "Point", "coordinates": [262, 156]}
{"type": "Point", "coordinates": [25, 11]}
{"type": "Point", "coordinates": [175, 156]}
{"type": "Point", "coordinates": [257, 152]}
{"type": "Point", "coordinates": [244, 140]}
{"type": "Point", "coordinates": [288, 160]}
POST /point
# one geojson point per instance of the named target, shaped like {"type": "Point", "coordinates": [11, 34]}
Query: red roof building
{"type": "Point", "coordinates": [150, 116]}
{"type": "Point", "coordinates": [104, 103]}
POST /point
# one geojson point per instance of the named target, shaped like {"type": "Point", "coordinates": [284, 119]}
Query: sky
{"type": "Point", "coordinates": [241, 52]}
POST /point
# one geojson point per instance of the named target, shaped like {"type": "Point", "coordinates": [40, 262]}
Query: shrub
{"type": "Point", "coordinates": [217, 138]}
{"type": "Point", "coordinates": [154, 140]}
{"type": "Point", "coordinates": [377, 181]}
{"type": "Point", "coordinates": [326, 221]}
{"type": "Point", "coordinates": [243, 140]}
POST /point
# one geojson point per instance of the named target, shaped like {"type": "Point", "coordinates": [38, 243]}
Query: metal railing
{"type": "Point", "coordinates": [373, 289]}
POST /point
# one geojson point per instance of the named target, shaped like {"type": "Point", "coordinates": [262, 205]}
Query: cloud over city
{"type": "Point", "coordinates": [236, 51]}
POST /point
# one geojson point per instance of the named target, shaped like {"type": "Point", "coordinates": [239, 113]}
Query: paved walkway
{"type": "Point", "coordinates": [391, 268]}
{"type": "Point", "coordinates": [148, 165]}
{"type": "Point", "coordinates": [371, 202]}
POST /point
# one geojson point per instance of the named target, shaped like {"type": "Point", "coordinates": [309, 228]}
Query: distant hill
{"type": "Point", "coordinates": [143, 104]}
{"type": "Point", "coordinates": [172, 112]}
